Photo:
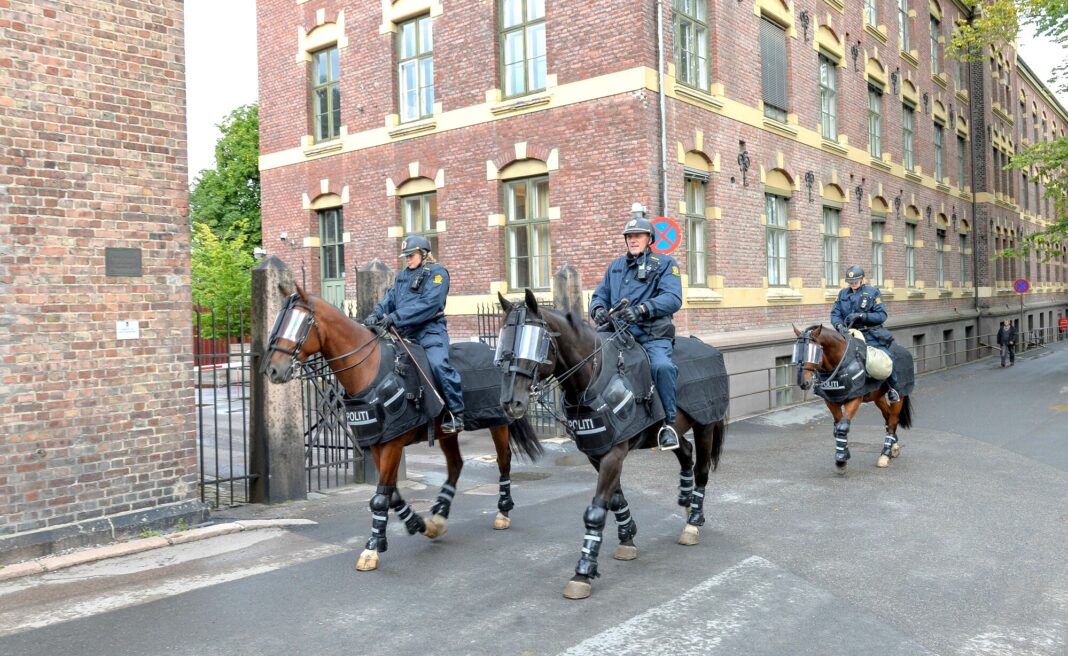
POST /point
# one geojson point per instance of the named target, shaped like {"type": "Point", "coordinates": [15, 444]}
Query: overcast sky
{"type": "Point", "coordinates": [220, 46]}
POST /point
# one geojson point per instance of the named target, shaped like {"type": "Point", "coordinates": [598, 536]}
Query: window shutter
{"type": "Point", "coordinates": [773, 63]}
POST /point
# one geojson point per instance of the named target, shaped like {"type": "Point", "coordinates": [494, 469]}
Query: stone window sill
{"type": "Point", "coordinates": [784, 295]}
{"type": "Point", "coordinates": [415, 127]}
{"type": "Point", "coordinates": [521, 103]}
{"type": "Point", "coordinates": [323, 148]}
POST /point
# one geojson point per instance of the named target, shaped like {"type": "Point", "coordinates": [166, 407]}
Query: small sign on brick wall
{"type": "Point", "coordinates": [127, 329]}
{"type": "Point", "coordinates": [122, 262]}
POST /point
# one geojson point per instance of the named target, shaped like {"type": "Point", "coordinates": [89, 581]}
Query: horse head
{"type": "Point", "coordinates": [292, 339]}
{"type": "Point", "coordinates": [526, 352]}
{"type": "Point", "coordinates": [815, 350]}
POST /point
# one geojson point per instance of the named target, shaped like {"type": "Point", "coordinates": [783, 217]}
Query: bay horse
{"type": "Point", "coordinates": [307, 325]}
{"type": "Point", "coordinates": [545, 344]}
{"type": "Point", "coordinates": [818, 353]}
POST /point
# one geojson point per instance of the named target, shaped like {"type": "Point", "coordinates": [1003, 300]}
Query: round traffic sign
{"type": "Point", "coordinates": [667, 235]}
{"type": "Point", "coordinates": [1021, 286]}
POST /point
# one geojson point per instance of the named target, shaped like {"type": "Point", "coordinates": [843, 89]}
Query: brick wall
{"type": "Point", "coordinates": [92, 155]}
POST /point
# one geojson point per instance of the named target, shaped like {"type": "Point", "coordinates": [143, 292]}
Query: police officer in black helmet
{"type": "Point", "coordinates": [861, 306]}
{"type": "Point", "coordinates": [415, 305]}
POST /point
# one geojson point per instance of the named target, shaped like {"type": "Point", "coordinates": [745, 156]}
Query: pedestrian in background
{"type": "Point", "coordinates": [1007, 342]}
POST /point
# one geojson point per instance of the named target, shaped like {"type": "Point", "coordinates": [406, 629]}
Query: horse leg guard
{"type": "Point", "coordinates": [841, 442]}
{"type": "Point", "coordinates": [685, 487]}
{"type": "Point", "coordinates": [697, 508]}
{"type": "Point", "coordinates": [626, 526]}
{"type": "Point", "coordinates": [444, 502]}
{"type": "Point", "coordinates": [412, 521]}
{"type": "Point", "coordinates": [504, 504]}
{"type": "Point", "coordinates": [376, 544]}
{"type": "Point", "coordinates": [595, 517]}
{"type": "Point", "coordinates": [890, 450]}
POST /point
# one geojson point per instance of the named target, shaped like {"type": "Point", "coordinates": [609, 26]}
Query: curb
{"type": "Point", "coordinates": [53, 563]}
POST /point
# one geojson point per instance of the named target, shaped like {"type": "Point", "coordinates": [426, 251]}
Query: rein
{"type": "Point", "coordinates": [849, 347]}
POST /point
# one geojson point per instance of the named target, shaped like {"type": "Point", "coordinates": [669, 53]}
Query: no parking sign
{"type": "Point", "coordinates": [667, 235]}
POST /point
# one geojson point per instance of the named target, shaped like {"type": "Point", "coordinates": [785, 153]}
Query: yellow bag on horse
{"type": "Point", "coordinates": [877, 362]}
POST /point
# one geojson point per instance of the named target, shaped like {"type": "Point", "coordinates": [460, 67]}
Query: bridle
{"type": "Point", "coordinates": [522, 342]}
{"type": "Point", "coordinates": [294, 323]}
{"type": "Point", "coordinates": [808, 356]}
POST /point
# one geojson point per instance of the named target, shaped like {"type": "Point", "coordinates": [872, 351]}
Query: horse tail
{"type": "Point", "coordinates": [522, 435]}
{"type": "Point", "coordinates": [904, 419]}
{"type": "Point", "coordinates": [719, 436]}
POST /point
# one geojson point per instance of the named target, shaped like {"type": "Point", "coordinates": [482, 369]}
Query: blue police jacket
{"type": "Point", "coordinates": [869, 302]}
{"type": "Point", "coordinates": [660, 292]}
{"type": "Point", "coordinates": [416, 301]}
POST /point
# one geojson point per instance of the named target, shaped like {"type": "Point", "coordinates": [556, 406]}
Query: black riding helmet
{"type": "Point", "coordinates": [854, 273]}
{"type": "Point", "coordinates": [413, 244]}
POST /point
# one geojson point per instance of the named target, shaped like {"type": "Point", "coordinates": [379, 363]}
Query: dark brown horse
{"type": "Point", "coordinates": [306, 326]}
{"type": "Point", "coordinates": [818, 353]}
{"type": "Point", "coordinates": [545, 345]}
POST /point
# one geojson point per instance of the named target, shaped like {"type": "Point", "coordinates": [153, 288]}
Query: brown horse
{"type": "Point", "coordinates": [544, 344]}
{"type": "Point", "coordinates": [818, 353]}
{"type": "Point", "coordinates": [307, 325]}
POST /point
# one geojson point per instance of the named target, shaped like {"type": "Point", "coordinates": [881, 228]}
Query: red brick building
{"type": "Point", "coordinates": [96, 395]}
{"type": "Point", "coordinates": [787, 140]}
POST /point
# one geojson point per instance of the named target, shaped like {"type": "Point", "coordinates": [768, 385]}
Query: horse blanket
{"type": "Point", "coordinates": [622, 402]}
{"type": "Point", "coordinates": [851, 379]}
{"type": "Point", "coordinates": [398, 399]}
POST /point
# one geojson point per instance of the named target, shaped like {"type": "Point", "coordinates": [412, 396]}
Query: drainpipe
{"type": "Point", "coordinates": [663, 112]}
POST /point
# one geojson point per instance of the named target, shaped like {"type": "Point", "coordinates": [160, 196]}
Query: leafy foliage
{"type": "Point", "coordinates": [222, 282]}
{"type": "Point", "coordinates": [997, 22]}
{"type": "Point", "coordinates": [227, 198]}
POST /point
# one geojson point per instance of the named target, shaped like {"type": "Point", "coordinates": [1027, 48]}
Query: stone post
{"type": "Point", "coordinates": [567, 291]}
{"type": "Point", "coordinates": [371, 285]}
{"type": "Point", "coordinates": [276, 448]}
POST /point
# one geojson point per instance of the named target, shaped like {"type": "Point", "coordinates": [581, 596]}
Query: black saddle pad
{"type": "Point", "coordinates": [703, 388]}
{"type": "Point", "coordinates": [481, 385]}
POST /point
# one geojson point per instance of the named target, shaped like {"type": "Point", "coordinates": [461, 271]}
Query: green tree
{"type": "Point", "coordinates": [227, 198]}
{"type": "Point", "coordinates": [996, 22]}
{"type": "Point", "coordinates": [222, 281]}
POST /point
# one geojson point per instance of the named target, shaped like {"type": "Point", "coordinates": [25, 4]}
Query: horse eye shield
{"type": "Point", "coordinates": [807, 352]}
{"type": "Point", "coordinates": [522, 342]}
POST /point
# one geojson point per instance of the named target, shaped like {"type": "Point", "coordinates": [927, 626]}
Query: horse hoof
{"type": "Point", "coordinates": [578, 589]}
{"type": "Point", "coordinates": [436, 527]}
{"type": "Point", "coordinates": [895, 450]}
{"type": "Point", "coordinates": [884, 461]}
{"type": "Point", "coordinates": [690, 535]}
{"type": "Point", "coordinates": [626, 552]}
{"type": "Point", "coordinates": [502, 521]}
{"type": "Point", "coordinates": [368, 561]}
{"type": "Point", "coordinates": [840, 467]}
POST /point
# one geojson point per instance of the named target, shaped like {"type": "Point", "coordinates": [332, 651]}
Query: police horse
{"type": "Point", "coordinates": [390, 406]}
{"type": "Point", "coordinates": [611, 408]}
{"type": "Point", "coordinates": [834, 365]}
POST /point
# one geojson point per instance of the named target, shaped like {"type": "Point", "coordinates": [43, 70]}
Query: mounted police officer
{"type": "Point", "coordinates": [415, 305]}
{"type": "Point", "coordinates": [861, 306]}
{"type": "Point", "coordinates": [652, 285]}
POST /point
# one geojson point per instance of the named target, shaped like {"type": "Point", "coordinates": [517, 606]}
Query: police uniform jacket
{"type": "Point", "coordinates": [416, 301]}
{"type": "Point", "coordinates": [868, 301]}
{"type": "Point", "coordinates": [660, 292]}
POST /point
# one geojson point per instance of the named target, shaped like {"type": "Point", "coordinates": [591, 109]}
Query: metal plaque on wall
{"type": "Point", "coordinates": [122, 262]}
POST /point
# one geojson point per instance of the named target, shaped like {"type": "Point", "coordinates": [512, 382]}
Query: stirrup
{"type": "Point", "coordinates": [892, 395]}
{"type": "Point", "coordinates": [667, 439]}
{"type": "Point", "coordinates": [454, 424]}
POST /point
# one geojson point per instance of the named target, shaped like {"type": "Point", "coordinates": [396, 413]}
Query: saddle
{"type": "Point", "coordinates": [851, 380]}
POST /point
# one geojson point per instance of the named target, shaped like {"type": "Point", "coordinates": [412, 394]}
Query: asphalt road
{"type": "Point", "coordinates": [957, 548]}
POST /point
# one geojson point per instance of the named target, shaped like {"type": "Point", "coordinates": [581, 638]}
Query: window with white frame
{"type": "Point", "coordinates": [775, 208]}
{"type": "Point", "coordinates": [936, 47]}
{"type": "Point", "coordinates": [878, 232]}
{"type": "Point", "coordinates": [910, 254]}
{"type": "Point", "coordinates": [690, 22]}
{"type": "Point", "coordinates": [960, 162]}
{"type": "Point", "coordinates": [875, 122]}
{"type": "Point", "coordinates": [940, 258]}
{"type": "Point", "coordinates": [871, 12]}
{"type": "Point", "coordinates": [523, 46]}
{"type": "Point", "coordinates": [908, 122]}
{"type": "Point", "coordinates": [828, 97]}
{"type": "Point", "coordinates": [419, 216]}
{"type": "Point", "coordinates": [326, 94]}
{"type": "Point", "coordinates": [526, 211]}
{"type": "Point", "coordinates": [903, 24]}
{"type": "Point", "coordinates": [962, 245]}
{"type": "Point", "coordinates": [939, 163]}
{"type": "Point", "coordinates": [696, 250]}
{"type": "Point", "coordinates": [831, 223]}
{"type": "Point", "coordinates": [415, 68]}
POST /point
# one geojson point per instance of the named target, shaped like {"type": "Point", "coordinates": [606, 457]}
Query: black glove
{"type": "Point", "coordinates": [372, 320]}
{"type": "Point", "coordinates": [855, 319]}
{"type": "Point", "coordinates": [841, 327]}
{"type": "Point", "coordinates": [384, 323]}
{"type": "Point", "coordinates": [600, 315]}
{"type": "Point", "coordinates": [630, 314]}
